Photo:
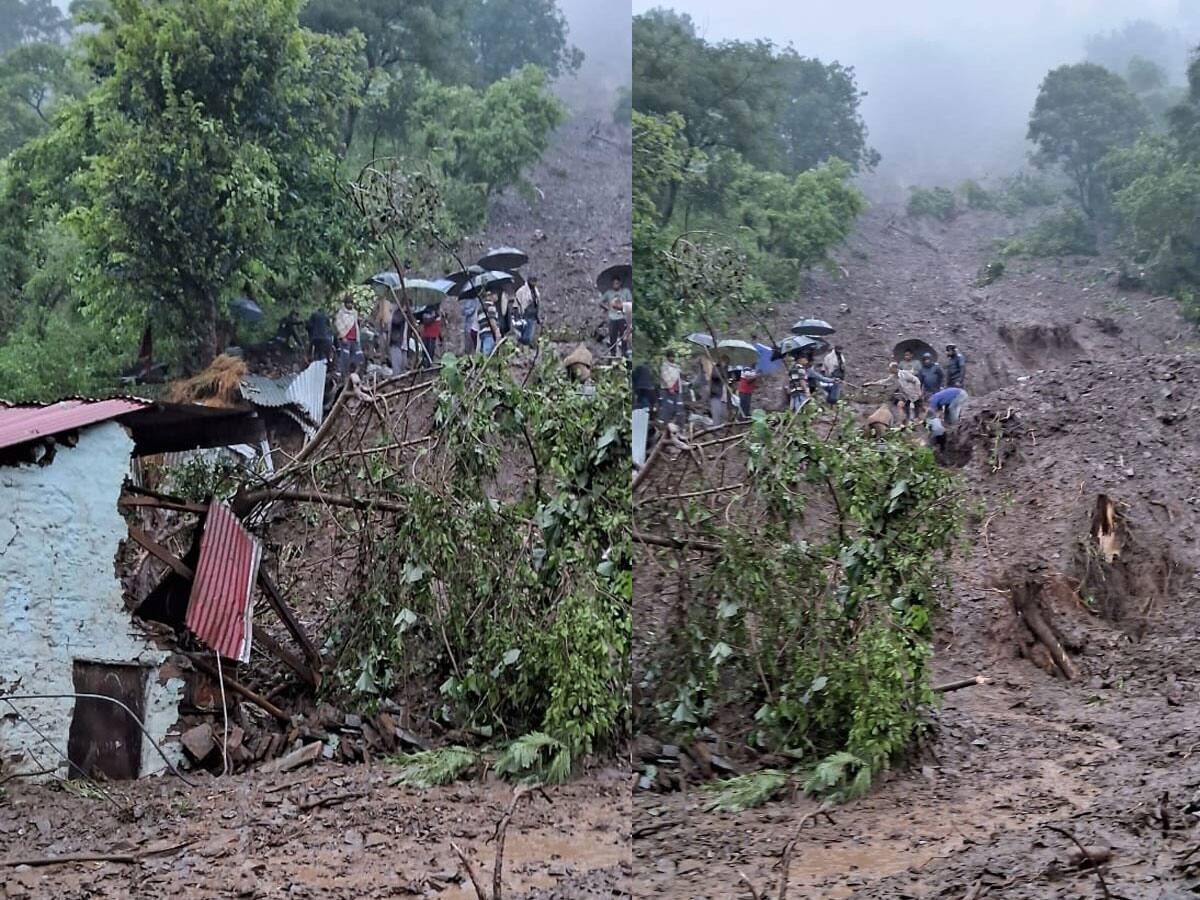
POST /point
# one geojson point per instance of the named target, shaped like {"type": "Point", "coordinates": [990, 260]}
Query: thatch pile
{"type": "Point", "coordinates": [218, 385]}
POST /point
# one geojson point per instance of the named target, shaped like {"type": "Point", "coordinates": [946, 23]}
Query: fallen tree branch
{"type": "Point", "coordinates": [37, 861]}
{"type": "Point", "coordinates": [676, 543]}
{"type": "Point", "coordinates": [786, 860]}
{"type": "Point", "coordinates": [501, 832]}
{"type": "Point", "coordinates": [255, 497]}
{"type": "Point", "coordinates": [960, 684]}
{"type": "Point", "coordinates": [480, 891]}
{"type": "Point", "coordinates": [1087, 857]}
{"type": "Point", "coordinates": [649, 463]}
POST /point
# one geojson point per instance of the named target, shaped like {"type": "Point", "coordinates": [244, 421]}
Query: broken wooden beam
{"type": "Point", "coordinates": [275, 599]}
{"type": "Point", "coordinates": [238, 688]}
{"type": "Point", "coordinates": [131, 502]}
{"type": "Point", "coordinates": [294, 760]}
{"type": "Point", "coordinates": [286, 656]}
{"type": "Point", "coordinates": [161, 553]}
{"type": "Point", "coordinates": [961, 683]}
{"type": "Point", "coordinates": [675, 543]}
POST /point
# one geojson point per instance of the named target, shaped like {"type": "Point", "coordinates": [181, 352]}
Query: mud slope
{"type": "Point", "coordinates": [1080, 456]}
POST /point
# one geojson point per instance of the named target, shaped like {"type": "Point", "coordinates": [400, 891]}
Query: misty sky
{"type": "Point", "coordinates": [950, 82]}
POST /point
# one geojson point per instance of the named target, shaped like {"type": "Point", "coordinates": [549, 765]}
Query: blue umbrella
{"type": "Point", "coordinates": [246, 309]}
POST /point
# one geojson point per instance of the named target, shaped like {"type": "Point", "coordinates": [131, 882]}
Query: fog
{"type": "Point", "coordinates": [950, 83]}
{"type": "Point", "coordinates": [600, 28]}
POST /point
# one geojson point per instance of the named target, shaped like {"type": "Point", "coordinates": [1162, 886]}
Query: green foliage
{"type": "Point", "coordinates": [432, 768]}
{"type": "Point", "coordinates": [537, 636]}
{"type": "Point", "coordinates": [202, 164]}
{"type": "Point", "coordinates": [822, 635]}
{"type": "Point", "coordinates": [976, 196]}
{"type": "Point", "coordinates": [1024, 191]}
{"type": "Point", "coordinates": [745, 791]}
{"type": "Point", "coordinates": [507, 35]}
{"type": "Point", "coordinates": [934, 203]}
{"type": "Point", "coordinates": [536, 757]}
{"type": "Point", "coordinates": [1136, 46]}
{"type": "Point", "coordinates": [623, 106]}
{"type": "Point", "coordinates": [990, 273]}
{"type": "Point", "coordinates": [201, 478]}
{"type": "Point", "coordinates": [1083, 112]}
{"type": "Point", "coordinates": [483, 141]}
{"type": "Point", "coordinates": [35, 78]}
{"type": "Point", "coordinates": [56, 353]}
{"type": "Point", "coordinates": [1064, 233]}
{"type": "Point", "coordinates": [801, 112]}
{"type": "Point", "coordinates": [29, 22]}
{"type": "Point", "coordinates": [1156, 194]}
{"type": "Point", "coordinates": [843, 776]}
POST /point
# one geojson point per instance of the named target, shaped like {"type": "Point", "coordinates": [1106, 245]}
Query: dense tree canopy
{"type": "Point", "coordinates": [1083, 112]}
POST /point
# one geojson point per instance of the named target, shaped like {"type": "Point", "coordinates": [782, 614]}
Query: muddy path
{"type": "Point", "coordinates": [324, 832]}
{"type": "Point", "coordinates": [1079, 390]}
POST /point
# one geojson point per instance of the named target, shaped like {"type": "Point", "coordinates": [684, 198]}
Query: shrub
{"type": "Point", "coordinates": [976, 196]}
{"type": "Point", "coordinates": [1027, 191]}
{"type": "Point", "coordinates": [990, 273]}
{"type": "Point", "coordinates": [935, 203]}
{"type": "Point", "coordinates": [1064, 233]}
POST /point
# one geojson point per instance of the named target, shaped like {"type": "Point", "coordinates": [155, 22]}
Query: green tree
{"type": "Point", "coordinates": [820, 118]}
{"type": "Point", "coordinates": [203, 164]}
{"type": "Point", "coordinates": [484, 141]}
{"type": "Point", "coordinates": [506, 35]}
{"type": "Point", "coordinates": [727, 93]}
{"type": "Point", "coordinates": [30, 21]}
{"type": "Point", "coordinates": [412, 36]}
{"type": "Point", "coordinates": [1083, 112]}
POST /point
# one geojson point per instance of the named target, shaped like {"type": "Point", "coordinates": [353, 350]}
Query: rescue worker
{"type": "Point", "coordinates": [956, 367]}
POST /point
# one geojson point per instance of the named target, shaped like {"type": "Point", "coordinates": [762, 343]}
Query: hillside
{"type": "Point", "coordinates": [1080, 417]}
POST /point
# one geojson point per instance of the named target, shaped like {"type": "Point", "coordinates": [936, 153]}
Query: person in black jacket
{"type": "Point", "coordinates": [933, 379]}
{"type": "Point", "coordinates": [644, 388]}
{"type": "Point", "coordinates": [956, 367]}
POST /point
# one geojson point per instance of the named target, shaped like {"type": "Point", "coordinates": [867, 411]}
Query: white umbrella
{"type": "Point", "coordinates": [738, 353]}
{"type": "Point", "coordinates": [701, 339]}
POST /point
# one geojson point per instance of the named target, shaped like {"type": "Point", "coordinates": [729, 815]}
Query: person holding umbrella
{"type": "Point", "coordinates": [398, 341]}
{"type": "Point", "coordinates": [345, 324]}
{"type": "Point", "coordinates": [528, 303]}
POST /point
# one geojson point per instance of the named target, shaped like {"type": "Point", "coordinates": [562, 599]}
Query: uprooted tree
{"type": "Point", "coordinates": [800, 561]}
{"type": "Point", "coordinates": [482, 515]}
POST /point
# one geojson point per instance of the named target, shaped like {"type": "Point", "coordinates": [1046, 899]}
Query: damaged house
{"type": "Point", "coordinates": [70, 634]}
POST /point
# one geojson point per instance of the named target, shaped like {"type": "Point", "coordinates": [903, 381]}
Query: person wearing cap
{"type": "Point", "coordinates": [933, 379]}
{"type": "Point", "coordinates": [528, 302]}
{"type": "Point", "coordinates": [956, 367]}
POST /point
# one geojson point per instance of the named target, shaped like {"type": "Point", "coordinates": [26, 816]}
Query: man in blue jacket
{"type": "Point", "coordinates": [948, 404]}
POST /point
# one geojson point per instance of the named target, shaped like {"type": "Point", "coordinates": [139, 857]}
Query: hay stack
{"type": "Point", "coordinates": [218, 385]}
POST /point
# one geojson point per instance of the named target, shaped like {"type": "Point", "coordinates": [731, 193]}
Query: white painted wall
{"type": "Point", "coordinates": [60, 599]}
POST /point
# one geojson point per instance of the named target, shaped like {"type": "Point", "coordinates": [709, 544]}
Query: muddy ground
{"type": "Point", "coordinates": [1079, 389]}
{"type": "Point", "coordinates": [345, 831]}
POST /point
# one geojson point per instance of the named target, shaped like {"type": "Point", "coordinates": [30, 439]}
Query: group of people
{"type": "Point", "coordinates": [922, 389]}
{"type": "Point", "coordinates": [918, 389]}
{"type": "Point", "coordinates": [416, 336]}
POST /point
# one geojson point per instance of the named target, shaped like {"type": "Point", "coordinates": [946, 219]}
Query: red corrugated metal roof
{"type": "Point", "coordinates": [19, 424]}
{"type": "Point", "coordinates": [219, 610]}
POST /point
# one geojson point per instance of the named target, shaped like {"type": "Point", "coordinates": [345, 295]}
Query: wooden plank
{"type": "Point", "coordinates": [275, 599]}
{"type": "Point", "coordinates": [238, 688]}
{"type": "Point", "coordinates": [159, 552]}
{"type": "Point", "coordinates": [286, 656]}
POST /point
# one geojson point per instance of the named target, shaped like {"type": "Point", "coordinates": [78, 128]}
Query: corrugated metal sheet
{"type": "Point", "coordinates": [305, 391]}
{"type": "Point", "coordinates": [219, 610]}
{"type": "Point", "coordinates": [19, 424]}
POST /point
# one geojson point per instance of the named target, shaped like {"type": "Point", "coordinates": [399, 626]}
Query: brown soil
{"type": "Point", "coordinates": [1080, 391]}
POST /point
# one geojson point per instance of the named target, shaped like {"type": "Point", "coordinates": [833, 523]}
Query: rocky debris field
{"type": "Point", "coordinates": [1079, 459]}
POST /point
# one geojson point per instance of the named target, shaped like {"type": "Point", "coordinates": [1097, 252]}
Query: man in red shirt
{"type": "Point", "coordinates": [431, 332]}
{"type": "Point", "coordinates": [745, 390]}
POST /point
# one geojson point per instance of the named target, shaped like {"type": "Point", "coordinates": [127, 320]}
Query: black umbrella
{"type": "Point", "coordinates": [797, 344]}
{"type": "Point", "coordinates": [916, 346]}
{"type": "Point", "coordinates": [461, 279]}
{"type": "Point", "coordinates": [486, 281]}
{"type": "Point", "coordinates": [504, 258]}
{"type": "Point", "coordinates": [812, 327]}
{"type": "Point", "coordinates": [624, 271]}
